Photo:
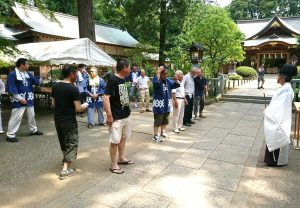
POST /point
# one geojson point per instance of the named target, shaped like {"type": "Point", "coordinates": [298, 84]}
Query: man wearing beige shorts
{"type": "Point", "coordinates": [116, 105]}
{"type": "Point", "coordinates": [142, 83]}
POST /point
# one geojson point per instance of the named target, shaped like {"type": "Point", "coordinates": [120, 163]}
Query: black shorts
{"type": "Point", "coordinates": [261, 78]}
{"type": "Point", "coordinates": [67, 132]}
{"type": "Point", "coordinates": [161, 119]}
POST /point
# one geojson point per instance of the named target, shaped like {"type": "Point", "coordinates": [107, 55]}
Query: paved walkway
{"type": "Point", "coordinates": [215, 163]}
{"type": "Point", "coordinates": [250, 88]}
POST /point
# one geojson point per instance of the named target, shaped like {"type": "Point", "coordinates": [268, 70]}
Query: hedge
{"type": "Point", "coordinates": [235, 77]}
{"type": "Point", "coordinates": [246, 71]}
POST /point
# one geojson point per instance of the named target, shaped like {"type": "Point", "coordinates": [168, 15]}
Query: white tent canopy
{"type": "Point", "coordinates": [78, 51]}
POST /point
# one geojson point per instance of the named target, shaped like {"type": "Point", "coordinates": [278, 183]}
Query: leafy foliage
{"type": "Point", "coordinates": [182, 21]}
{"type": "Point", "coordinates": [55, 74]}
{"type": "Point", "coordinates": [137, 53]}
{"type": "Point", "coordinates": [63, 6]}
{"type": "Point", "coordinates": [246, 71]}
{"type": "Point", "coordinates": [298, 73]}
{"type": "Point", "coordinates": [142, 19]}
{"type": "Point", "coordinates": [212, 27]}
{"type": "Point", "coordinates": [259, 9]}
{"type": "Point", "coordinates": [8, 49]}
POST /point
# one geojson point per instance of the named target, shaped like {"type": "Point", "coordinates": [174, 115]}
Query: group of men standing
{"type": "Point", "coordinates": [80, 91]}
{"type": "Point", "coordinates": [189, 98]}
{"type": "Point", "coordinates": [66, 102]}
{"type": "Point", "coordinates": [183, 94]}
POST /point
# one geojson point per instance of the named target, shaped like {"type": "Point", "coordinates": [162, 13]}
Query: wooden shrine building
{"type": "Point", "coordinates": [35, 27]}
{"type": "Point", "coordinates": [272, 42]}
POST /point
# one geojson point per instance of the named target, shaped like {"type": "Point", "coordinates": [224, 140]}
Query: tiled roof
{"type": "Point", "coordinates": [252, 27]}
{"type": "Point", "coordinates": [67, 26]}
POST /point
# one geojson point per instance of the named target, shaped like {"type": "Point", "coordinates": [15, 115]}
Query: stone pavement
{"type": "Point", "coordinates": [250, 88]}
{"type": "Point", "coordinates": [215, 163]}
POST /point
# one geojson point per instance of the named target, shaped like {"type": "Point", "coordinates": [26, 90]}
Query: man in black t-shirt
{"type": "Point", "coordinates": [108, 74]}
{"type": "Point", "coordinates": [116, 105]}
{"type": "Point", "coordinates": [200, 93]}
{"type": "Point", "coordinates": [66, 102]}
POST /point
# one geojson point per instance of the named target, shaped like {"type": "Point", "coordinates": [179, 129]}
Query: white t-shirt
{"type": "Point", "coordinates": [2, 87]}
{"type": "Point", "coordinates": [142, 82]}
{"type": "Point", "coordinates": [179, 92]}
{"type": "Point", "coordinates": [134, 76]}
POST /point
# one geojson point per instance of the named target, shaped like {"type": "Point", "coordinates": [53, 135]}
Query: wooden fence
{"type": "Point", "coordinates": [296, 88]}
{"type": "Point", "coordinates": [295, 84]}
{"type": "Point", "coordinates": [217, 86]}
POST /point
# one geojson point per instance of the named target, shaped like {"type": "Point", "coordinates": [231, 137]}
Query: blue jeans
{"type": "Point", "coordinates": [198, 102]}
{"type": "Point", "coordinates": [133, 93]}
{"type": "Point", "coordinates": [91, 113]}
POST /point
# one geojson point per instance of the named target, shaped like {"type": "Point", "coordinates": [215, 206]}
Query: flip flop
{"type": "Point", "coordinates": [116, 170]}
{"type": "Point", "coordinates": [128, 162]}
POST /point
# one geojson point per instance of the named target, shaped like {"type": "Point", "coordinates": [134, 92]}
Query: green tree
{"type": "Point", "coordinates": [212, 26]}
{"type": "Point", "coordinates": [62, 6]}
{"type": "Point", "coordinates": [239, 10]}
{"type": "Point", "coordinates": [258, 9]}
{"type": "Point", "coordinates": [152, 22]}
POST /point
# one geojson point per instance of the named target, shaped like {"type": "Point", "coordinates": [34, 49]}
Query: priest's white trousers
{"type": "Point", "coordinates": [16, 118]}
{"type": "Point", "coordinates": [178, 114]}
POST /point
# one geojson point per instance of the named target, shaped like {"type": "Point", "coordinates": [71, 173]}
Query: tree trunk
{"type": "Point", "coordinates": [162, 32]}
{"type": "Point", "coordinates": [86, 19]}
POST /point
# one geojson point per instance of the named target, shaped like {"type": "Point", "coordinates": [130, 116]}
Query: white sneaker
{"type": "Point", "coordinates": [181, 129]}
{"type": "Point", "coordinates": [135, 105]}
{"type": "Point", "coordinates": [157, 138]}
{"type": "Point", "coordinates": [176, 131]}
{"type": "Point", "coordinates": [1, 132]}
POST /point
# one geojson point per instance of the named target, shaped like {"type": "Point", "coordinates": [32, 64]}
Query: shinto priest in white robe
{"type": "Point", "coordinates": [278, 121]}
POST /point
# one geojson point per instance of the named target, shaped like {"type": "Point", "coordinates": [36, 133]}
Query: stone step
{"type": "Point", "coordinates": [240, 100]}
{"type": "Point", "coordinates": [268, 98]}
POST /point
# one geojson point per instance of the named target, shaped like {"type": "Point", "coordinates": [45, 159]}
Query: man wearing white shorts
{"type": "Point", "coordinates": [116, 105]}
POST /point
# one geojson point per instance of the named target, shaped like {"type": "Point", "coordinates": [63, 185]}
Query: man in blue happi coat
{"type": "Point", "coordinates": [20, 87]}
{"type": "Point", "coordinates": [162, 101]}
{"type": "Point", "coordinates": [95, 90]}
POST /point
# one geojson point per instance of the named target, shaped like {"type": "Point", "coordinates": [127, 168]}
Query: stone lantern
{"type": "Point", "coordinates": [196, 53]}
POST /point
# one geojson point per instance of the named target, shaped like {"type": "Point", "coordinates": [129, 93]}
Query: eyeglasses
{"type": "Point", "coordinates": [92, 71]}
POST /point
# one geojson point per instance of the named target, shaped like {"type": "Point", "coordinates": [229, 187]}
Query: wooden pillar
{"type": "Point", "coordinates": [258, 60]}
